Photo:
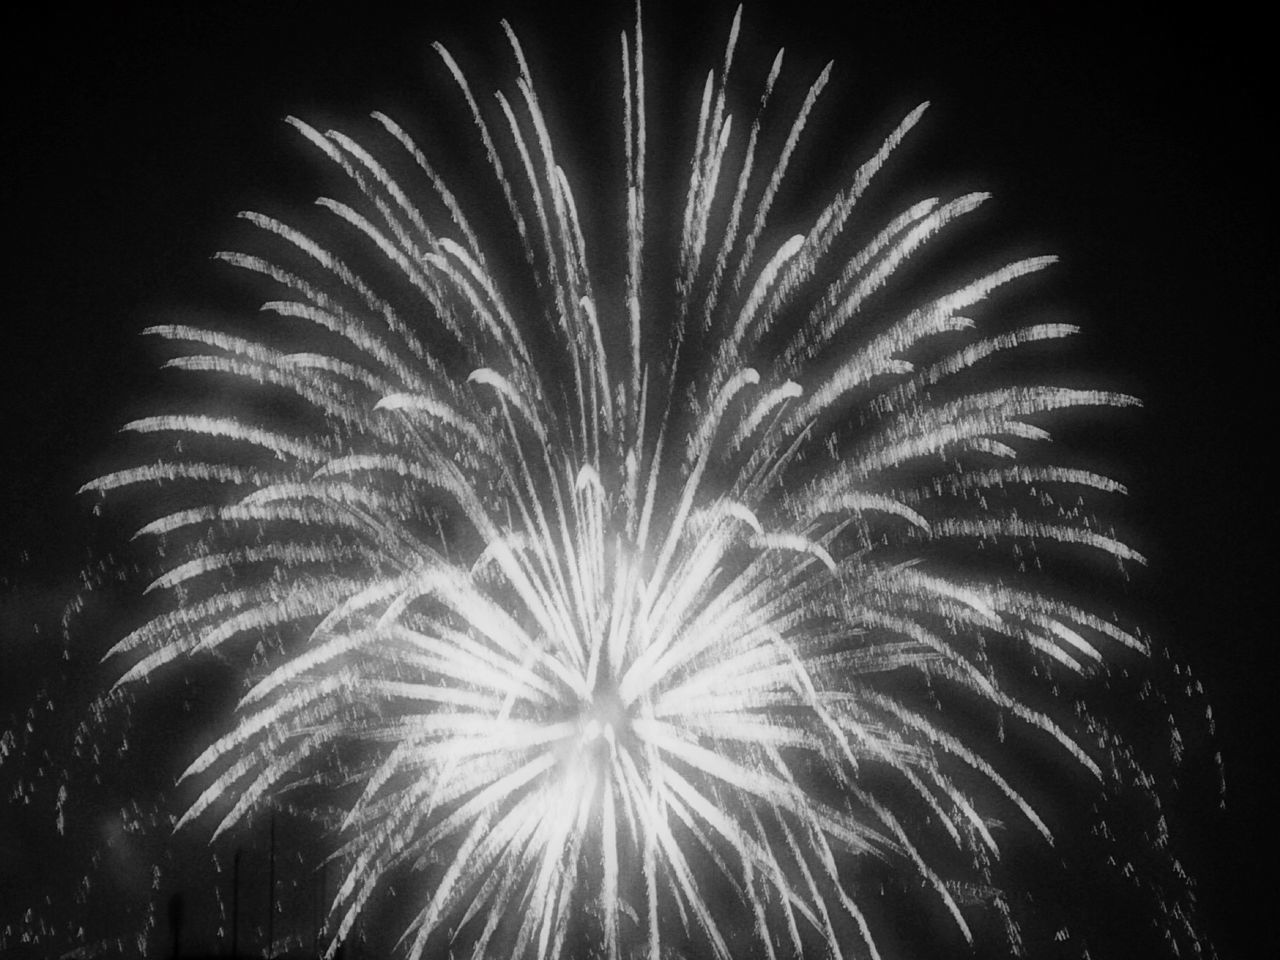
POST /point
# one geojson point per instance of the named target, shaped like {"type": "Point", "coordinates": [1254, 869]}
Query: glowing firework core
{"type": "Point", "coordinates": [606, 717]}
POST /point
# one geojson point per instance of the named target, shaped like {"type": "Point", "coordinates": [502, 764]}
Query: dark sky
{"type": "Point", "coordinates": [1132, 147]}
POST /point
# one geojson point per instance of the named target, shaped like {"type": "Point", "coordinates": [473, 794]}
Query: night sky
{"type": "Point", "coordinates": [1130, 147]}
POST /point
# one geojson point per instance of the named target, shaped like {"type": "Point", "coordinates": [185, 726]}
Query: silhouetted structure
{"type": "Point", "coordinates": [175, 923]}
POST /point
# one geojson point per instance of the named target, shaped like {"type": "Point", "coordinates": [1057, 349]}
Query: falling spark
{"type": "Point", "coordinates": [629, 591]}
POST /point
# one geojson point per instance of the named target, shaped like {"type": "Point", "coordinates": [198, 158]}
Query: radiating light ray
{"type": "Point", "coordinates": [616, 630]}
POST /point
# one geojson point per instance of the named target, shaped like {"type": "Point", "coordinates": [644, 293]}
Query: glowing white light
{"type": "Point", "coordinates": [599, 614]}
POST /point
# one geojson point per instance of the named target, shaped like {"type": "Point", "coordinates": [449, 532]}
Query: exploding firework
{"type": "Point", "coordinates": [649, 609]}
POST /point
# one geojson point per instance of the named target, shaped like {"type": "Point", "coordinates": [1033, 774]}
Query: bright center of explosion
{"type": "Point", "coordinates": [604, 719]}
{"type": "Point", "coordinates": [603, 725]}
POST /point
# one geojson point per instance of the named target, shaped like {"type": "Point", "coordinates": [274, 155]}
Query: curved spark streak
{"type": "Point", "coordinates": [596, 643]}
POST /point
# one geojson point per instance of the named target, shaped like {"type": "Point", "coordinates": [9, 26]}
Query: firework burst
{"type": "Point", "coordinates": [624, 609]}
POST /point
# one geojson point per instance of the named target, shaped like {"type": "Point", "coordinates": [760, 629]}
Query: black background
{"type": "Point", "coordinates": [1130, 145]}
